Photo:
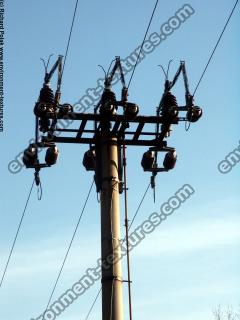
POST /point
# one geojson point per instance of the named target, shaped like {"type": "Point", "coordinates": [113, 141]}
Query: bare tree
{"type": "Point", "coordinates": [218, 314]}
{"type": "Point", "coordinates": [226, 314]}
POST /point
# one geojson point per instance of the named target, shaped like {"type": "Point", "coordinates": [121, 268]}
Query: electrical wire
{"type": "Point", "coordinates": [69, 38]}
{"type": "Point", "coordinates": [215, 48]}
{"type": "Point", "coordinates": [14, 242]}
{"type": "Point", "coordinates": [113, 283]}
{"type": "Point", "coordinates": [16, 236]}
{"type": "Point", "coordinates": [68, 249]}
{"type": "Point", "coordinates": [79, 220]}
{"type": "Point", "coordinates": [145, 36]}
{"type": "Point", "coordinates": [94, 302]}
{"type": "Point", "coordinates": [140, 204]}
{"type": "Point", "coordinates": [127, 229]}
{"type": "Point", "coordinates": [110, 212]}
{"type": "Point", "coordinates": [40, 191]}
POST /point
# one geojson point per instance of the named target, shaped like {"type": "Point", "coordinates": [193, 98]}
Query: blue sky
{"type": "Point", "coordinates": [190, 264]}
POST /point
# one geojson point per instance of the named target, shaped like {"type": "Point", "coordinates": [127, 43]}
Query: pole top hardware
{"type": "Point", "coordinates": [127, 126]}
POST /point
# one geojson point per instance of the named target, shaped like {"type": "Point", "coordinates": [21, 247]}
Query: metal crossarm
{"type": "Point", "coordinates": [120, 126]}
{"type": "Point", "coordinates": [138, 131]}
{"type": "Point", "coordinates": [81, 128]}
{"type": "Point", "coordinates": [115, 117]}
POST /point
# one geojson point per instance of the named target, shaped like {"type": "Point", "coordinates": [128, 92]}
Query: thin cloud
{"type": "Point", "coordinates": [195, 236]}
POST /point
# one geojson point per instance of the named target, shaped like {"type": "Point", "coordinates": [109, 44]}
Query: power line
{"type": "Point", "coordinates": [127, 229]}
{"type": "Point", "coordinates": [16, 236]}
{"type": "Point", "coordinates": [70, 36]}
{"type": "Point", "coordinates": [79, 220]}
{"type": "Point", "coordinates": [140, 204]}
{"type": "Point", "coordinates": [215, 48]}
{"type": "Point", "coordinates": [112, 293]}
{"type": "Point", "coordinates": [145, 36]}
{"type": "Point", "coordinates": [94, 302]}
{"type": "Point", "coordinates": [69, 247]}
{"type": "Point", "coordinates": [29, 195]}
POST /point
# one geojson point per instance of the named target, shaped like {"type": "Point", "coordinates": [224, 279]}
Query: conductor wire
{"type": "Point", "coordinates": [144, 39]}
{"type": "Point", "coordinates": [215, 48]}
{"type": "Point", "coordinates": [17, 233]}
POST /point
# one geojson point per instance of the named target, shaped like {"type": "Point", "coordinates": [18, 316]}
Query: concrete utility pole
{"type": "Point", "coordinates": [111, 131]}
{"type": "Point", "coordinates": [112, 304]}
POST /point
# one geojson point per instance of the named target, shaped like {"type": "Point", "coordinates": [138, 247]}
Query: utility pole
{"type": "Point", "coordinates": [112, 304]}
{"type": "Point", "coordinates": [111, 132]}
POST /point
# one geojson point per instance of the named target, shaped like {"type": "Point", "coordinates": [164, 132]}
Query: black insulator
{"type": "Point", "coordinates": [131, 110]}
{"type": "Point", "coordinates": [170, 160]}
{"type": "Point", "coordinates": [89, 160]}
{"type": "Point", "coordinates": [45, 103]}
{"type": "Point", "coordinates": [40, 109]}
{"type": "Point", "coordinates": [148, 160]}
{"type": "Point", "coordinates": [30, 156]}
{"type": "Point", "coordinates": [46, 95]}
{"type": "Point", "coordinates": [194, 114]}
{"type": "Point", "coordinates": [108, 95]}
{"type": "Point", "coordinates": [169, 105]}
{"type": "Point", "coordinates": [51, 155]}
{"type": "Point", "coordinates": [169, 100]}
{"type": "Point", "coordinates": [108, 102]}
{"type": "Point", "coordinates": [65, 109]}
{"type": "Point", "coordinates": [166, 128]}
{"type": "Point", "coordinates": [44, 124]}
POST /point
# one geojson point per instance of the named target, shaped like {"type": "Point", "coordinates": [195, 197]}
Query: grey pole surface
{"type": "Point", "coordinates": [112, 301]}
